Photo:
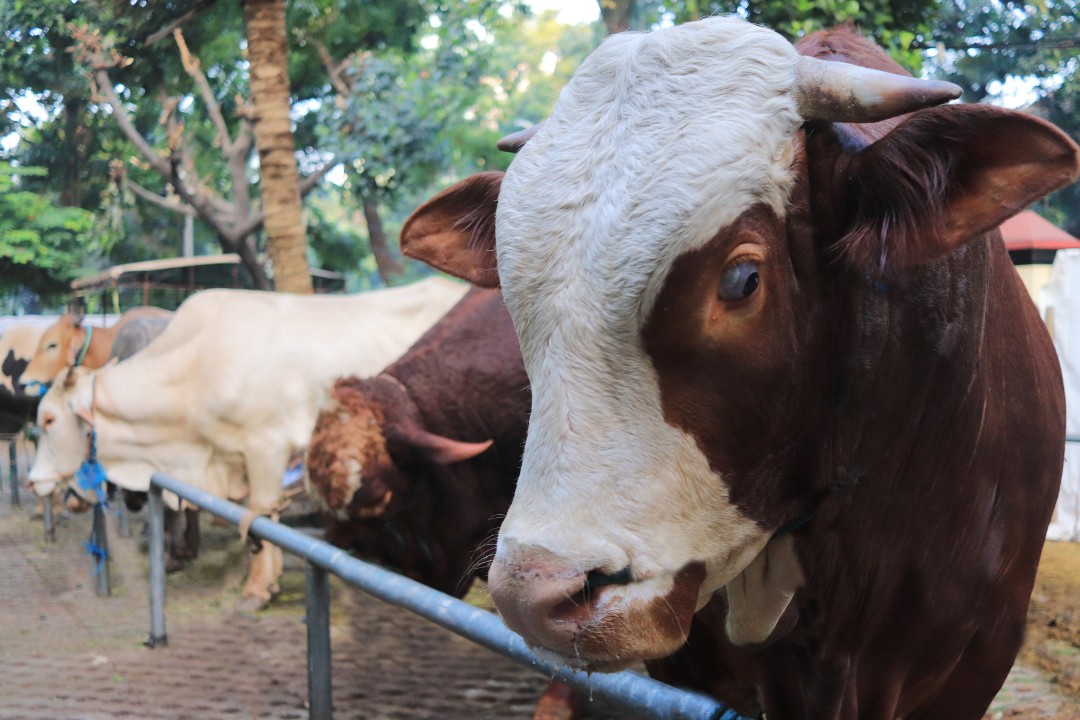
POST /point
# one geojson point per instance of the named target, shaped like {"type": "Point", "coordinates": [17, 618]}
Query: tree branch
{"type": "Point", "coordinates": [194, 70]}
{"type": "Point", "coordinates": [105, 88]}
{"type": "Point", "coordinates": [182, 20]}
{"type": "Point", "coordinates": [973, 44]}
{"type": "Point", "coordinates": [161, 202]}
{"type": "Point", "coordinates": [334, 70]}
{"type": "Point", "coordinates": [309, 182]}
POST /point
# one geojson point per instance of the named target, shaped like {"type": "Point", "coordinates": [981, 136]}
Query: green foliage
{"type": "Point", "coordinates": [896, 26]}
{"type": "Point", "coordinates": [436, 84]}
{"type": "Point", "coordinates": [976, 45]}
{"type": "Point", "coordinates": [40, 242]}
{"type": "Point", "coordinates": [981, 46]}
{"type": "Point", "coordinates": [397, 125]}
{"type": "Point", "coordinates": [333, 237]}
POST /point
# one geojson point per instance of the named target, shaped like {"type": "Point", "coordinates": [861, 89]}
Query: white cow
{"type": "Point", "coordinates": [229, 392]}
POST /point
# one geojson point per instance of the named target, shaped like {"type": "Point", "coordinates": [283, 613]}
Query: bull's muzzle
{"type": "Point", "coordinates": [599, 620]}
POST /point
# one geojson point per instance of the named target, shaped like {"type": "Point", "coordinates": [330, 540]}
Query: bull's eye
{"type": "Point", "coordinates": [740, 280]}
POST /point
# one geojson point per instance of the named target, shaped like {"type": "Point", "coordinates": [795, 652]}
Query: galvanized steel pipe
{"type": "Point", "coordinates": [317, 606]}
{"type": "Point", "coordinates": [13, 476]}
{"type": "Point", "coordinates": [647, 697]}
{"type": "Point", "coordinates": [99, 536]}
{"type": "Point", "coordinates": [156, 511]}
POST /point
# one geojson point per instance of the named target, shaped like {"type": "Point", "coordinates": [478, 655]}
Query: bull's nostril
{"type": "Point", "coordinates": [597, 579]}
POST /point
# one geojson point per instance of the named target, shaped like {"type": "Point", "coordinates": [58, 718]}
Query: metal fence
{"type": "Point", "coordinates": [644, 696]}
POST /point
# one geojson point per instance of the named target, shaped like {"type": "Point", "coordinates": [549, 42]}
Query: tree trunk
{"type": "Point", "coordinates": [279, 177]}
{"type": "Point", "coordinates": [76, 132]}
{"type": "Point", "coordinates": [246, 250]}
{"type": "Point", "coordinates": [616, 14]}
{"type": "Point", "coordinates": [388, 265]}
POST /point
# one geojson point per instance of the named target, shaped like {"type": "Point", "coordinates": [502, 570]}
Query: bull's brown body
{"type": "Point", "coordinates": [928, 433]}
{"type": "Point", "coordinates": [464, 379]}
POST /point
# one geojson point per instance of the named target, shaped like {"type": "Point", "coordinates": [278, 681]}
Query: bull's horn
{"type": "Point", "coordinates": [839, 92]}
{"type": "Point", "coordinates": [515, 141]}
{"type": "Point", "coordinates": [443, 450]}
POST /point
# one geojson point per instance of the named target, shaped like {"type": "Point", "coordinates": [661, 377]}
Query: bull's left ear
{"type": "Point", "coordinates": [944, 176]}
{"type": "Point", "coordinates": [455, 230]}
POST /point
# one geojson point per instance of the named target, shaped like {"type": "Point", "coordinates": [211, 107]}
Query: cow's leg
{"type": "Point", "coordinates": [174, 560]}
{"type": "Point", "coordinates": [559, 702]}
{"type": "Point", "coordinates": [262, 581]}
{"type": "Point", "coordinates": [266, 462]}
{"type": "Point", "coordinates": [192, 534]}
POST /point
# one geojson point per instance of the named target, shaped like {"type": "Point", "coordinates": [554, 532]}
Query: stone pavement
{"type": "Point", "coordinates": [67, 654]}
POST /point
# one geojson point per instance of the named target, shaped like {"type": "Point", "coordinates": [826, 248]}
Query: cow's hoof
{"type": "Point", "coordinates": [251, 605]}
{"type": "Point", "coordinates": [173, 564]}
{"type": "Point", "coordinates": [558, 703]}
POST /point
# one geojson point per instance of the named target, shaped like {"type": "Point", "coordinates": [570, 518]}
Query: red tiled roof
{"type": "Point", "coordinates": [1030, 231]}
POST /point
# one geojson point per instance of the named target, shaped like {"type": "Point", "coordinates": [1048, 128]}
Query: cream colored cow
{"type": "Point", "coordinates": [229, 392]}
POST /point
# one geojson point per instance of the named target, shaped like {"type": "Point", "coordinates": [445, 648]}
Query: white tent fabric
{"type": "Point", "coordinates": [1060, 303]}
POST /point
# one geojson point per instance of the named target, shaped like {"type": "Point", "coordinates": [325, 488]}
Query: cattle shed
{"type": "Point", "coordinates": [1032, 242]}
{"type": "Point", "coordinates": [166, 282]}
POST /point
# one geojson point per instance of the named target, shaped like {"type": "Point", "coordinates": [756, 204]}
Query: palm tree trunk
{"type": "Point", "coordinates": [279, 178]}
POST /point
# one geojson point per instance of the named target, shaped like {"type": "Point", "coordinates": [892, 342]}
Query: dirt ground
{"type": "Point", "coordinates": [67, 654]}
{"type": "Point", "coordinates": [1053, 631]}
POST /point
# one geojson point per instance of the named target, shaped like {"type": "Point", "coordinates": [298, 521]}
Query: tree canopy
{"type": "Point", "coordinates": [400, 96]}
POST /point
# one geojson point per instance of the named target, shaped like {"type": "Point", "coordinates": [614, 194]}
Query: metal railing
{"type": "Point", "coordinates": [646, 697]}
{"type": "Point", "coordinates": [13, 472]}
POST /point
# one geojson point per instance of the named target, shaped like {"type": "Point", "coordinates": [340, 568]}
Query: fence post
{"type": "Point", "coordinates": [123, 524]}
{"type": "Point", "coordinates": [156, 519]}
{"type": "Point", "coordinates": [317, 605]}
{"type": "Point", "coordinates": [100, 537]}
{"type": "Point", "coordinates": [13, 456]}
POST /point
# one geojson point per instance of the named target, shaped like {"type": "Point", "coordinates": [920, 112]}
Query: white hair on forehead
{"type": "Point", "coordinates": [658, 142]}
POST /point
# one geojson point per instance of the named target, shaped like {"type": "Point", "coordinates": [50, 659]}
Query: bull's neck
{"type": "Point", "coordinates": [912, 364]}
{"type": "Point", "coordinates": [98, 342]}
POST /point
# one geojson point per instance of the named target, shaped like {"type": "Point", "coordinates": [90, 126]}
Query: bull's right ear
{"type": "Point", "coordinates": [455, 230]}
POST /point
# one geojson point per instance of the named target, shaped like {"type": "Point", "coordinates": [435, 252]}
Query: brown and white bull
{"type": "Point", "coordinates": [70, 342]}
{"type": "Point", "coordinates": [777, 352]}
{"type": "Point", "coordinates": [229, 392]}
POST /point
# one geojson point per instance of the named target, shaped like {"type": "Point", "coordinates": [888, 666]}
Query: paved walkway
{"type": "Point", "coordinates": [67, 654]}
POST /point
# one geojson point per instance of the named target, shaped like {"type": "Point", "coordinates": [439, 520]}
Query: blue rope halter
{"type": "Point", "coordinates": [85, 346]}
{"type": "Point", "coordinates": [91, 478]}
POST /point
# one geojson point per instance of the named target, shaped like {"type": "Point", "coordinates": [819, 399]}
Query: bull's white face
{"type": "Point", "coordinates": [63, 443]}
{"type": "Point", "coordinates": [659, 142]}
